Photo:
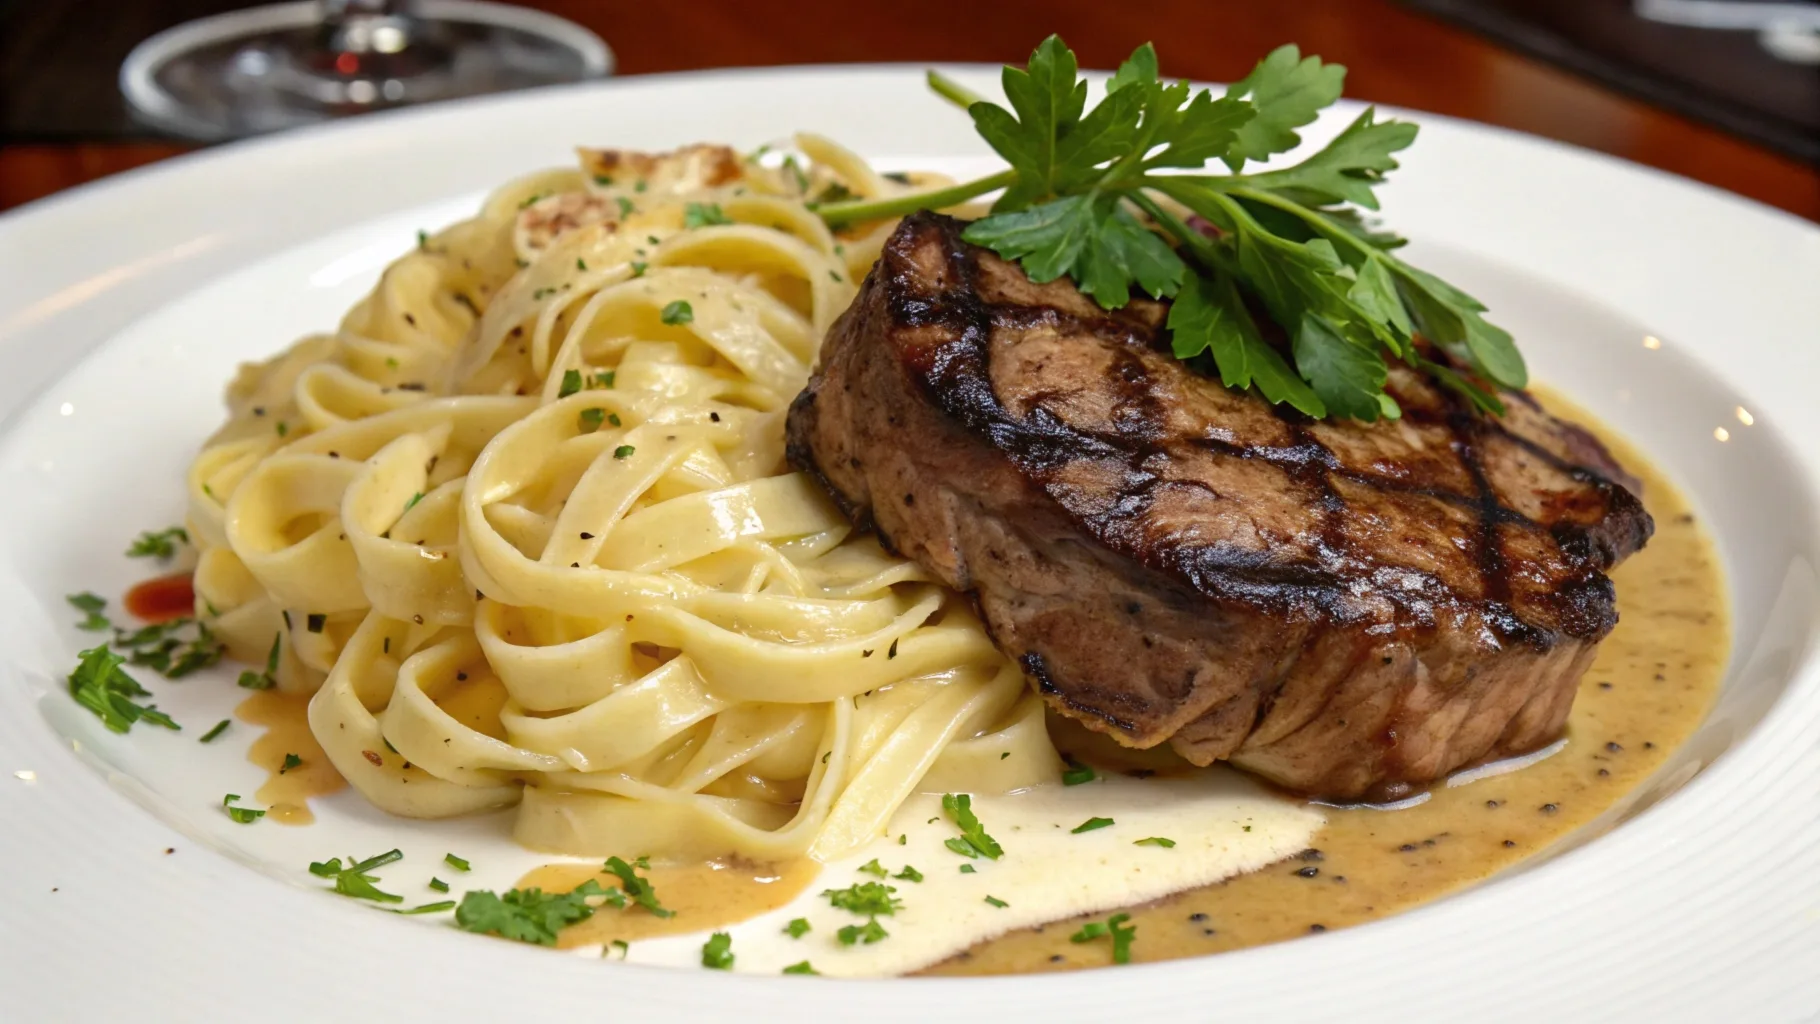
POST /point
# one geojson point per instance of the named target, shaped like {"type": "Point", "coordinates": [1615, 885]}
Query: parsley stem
{"type": "Point", "coordinates": [897, 206]}
{"type": "Point", "coordinates": [1205, 251]}
{"type": "Point", "coordinates": [953, 91]}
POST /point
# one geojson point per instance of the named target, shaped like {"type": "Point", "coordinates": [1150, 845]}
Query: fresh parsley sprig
{"type": "Point", "coordinates": [1097, 195]}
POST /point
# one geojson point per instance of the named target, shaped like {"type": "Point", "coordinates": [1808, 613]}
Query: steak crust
{"type": "Point", "coordinates": [1351, 610]}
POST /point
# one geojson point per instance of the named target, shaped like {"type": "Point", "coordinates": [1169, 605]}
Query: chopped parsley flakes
{"type": "Point", "coordinates": [102, 686]}
{"type": "Point", "coordinates": [252, 680]}
{"type": "Point", "coordinates": [1090, 824]}
{"type": "Point", "coordinates": [158, 543]}
{"type": "Point", "coordinates": [868, 933]}
{"type": "Point", "coordinates": [973, 842]}
{"type": "Point", "coordinates": [455, 862]}
{"type": "Point", "coordinates": [717, 952]}
{"type": "Point", "coordinates": [1077, 774]}
{"type": "Point", "coordinates": [875, 898]}
{"type": "Point", "coordinates": [220, 727]}
{"type": "Point", "coordinates": [1114, 927]}
{"type": "Point", "coordinates": [354, 881]}
{"type": "Point", "coordinates": [638, 889]}
{"type": "Point", "coordinates": [1156, 841]}
{"type": "Point", "coordinates": [701, 215]}
{"type": "Point", "coordinates": [624, 451]}
{"type": "Point", "coordinates": [873, 867]}
{"type": "Point", "coordinates": [995, 901]}
{"type": "Point", "coordinates": [243, 815]}
{"type": "Point", "coordinates": [93, 606]}
{"type": "Point", "coordinates": [801, 967]}
{"type": "Point", "coordinates": [174, 649]}
{"type": "Point", "coordinates": [909, 874]}
{"type": "Point", "coordinates": [797, 928]}
{"type": "Point", "coordinates": [678, 312]}
{"type": "Point", "coordinates": [527, 915]}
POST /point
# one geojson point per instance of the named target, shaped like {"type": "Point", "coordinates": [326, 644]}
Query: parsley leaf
{"type": "Point", "coordinates": [527, 915]}
{"type": "Point", "coordinates": [873, 867]}
{"type": "Point", "coordinates": [717, 952]}
{"type": "Point", "coordinates": [973, 841]}
{"type": "Point", "coordinates": [1078, 774]}
{"type": "Point", "coordinates": [797, 928]}
{"type": "Point", "coordinates": [801, 967]}
{"type": "Point", "coordinates": [1288, 91]}
{"type": "Point", "coordinates": [678, 312]}
{"type": "Point", "coordinates": [909, 874]}
{"type": "Point", "coordinates": [158, 543]}
{"type": "Point", "coordinates": [1090, 824]}
{"type": "Point", "coordinates": [1166, 844]}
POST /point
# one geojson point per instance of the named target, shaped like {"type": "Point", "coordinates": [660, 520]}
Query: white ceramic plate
{"type": "Point", "coordinates": [123, 307]}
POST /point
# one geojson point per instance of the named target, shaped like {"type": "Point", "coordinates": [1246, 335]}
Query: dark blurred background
{"type": "Point", "coordinates": [1735, 106]}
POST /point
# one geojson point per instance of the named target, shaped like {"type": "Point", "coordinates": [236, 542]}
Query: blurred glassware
{"type": "Point", "coordinates": [1789, 31]}
{"type": "Point", "coordinates": [285, 65]}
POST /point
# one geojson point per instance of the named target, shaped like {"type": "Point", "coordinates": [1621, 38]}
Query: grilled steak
{"type": "Point", "coordinates": [1351, 610]}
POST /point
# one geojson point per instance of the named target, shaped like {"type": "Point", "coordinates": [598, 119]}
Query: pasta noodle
{"type": "Point", "coordinates": [522, 525]}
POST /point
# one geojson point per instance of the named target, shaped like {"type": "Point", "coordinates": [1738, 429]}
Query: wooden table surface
{"type": "Point", "coordinates": [1395, 56]}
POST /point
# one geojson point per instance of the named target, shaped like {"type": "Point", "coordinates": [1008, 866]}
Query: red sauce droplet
{"type": "Point", "coordinates": [162, 598]}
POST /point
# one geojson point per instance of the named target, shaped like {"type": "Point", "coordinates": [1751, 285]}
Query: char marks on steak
{"type": "Point", "coordinates": [1351, 610]}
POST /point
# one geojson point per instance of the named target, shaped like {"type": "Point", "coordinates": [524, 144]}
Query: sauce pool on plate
{"type": "Point", "coordinates": [1651, 685]}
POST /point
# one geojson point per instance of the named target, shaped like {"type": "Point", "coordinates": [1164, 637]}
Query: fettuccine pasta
{"type": "Point", "coordinates": [524, 528]}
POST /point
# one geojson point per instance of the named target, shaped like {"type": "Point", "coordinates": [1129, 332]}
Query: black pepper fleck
{"type": "Point", "coordinates": [1510, 842]}
{"type": "Point", "coordinates": [1614, 748]}
{"type": "Point", "coordinates": [1317, 927]}
{"type": "Point", "coordinates": [1197, 917]}
{"type": "Point", "coordinates": [1493, 804]}
{"type": "Point", "coordinates": [1550, 808]}
{"type": "Point", "coordinates": [1308, 872]}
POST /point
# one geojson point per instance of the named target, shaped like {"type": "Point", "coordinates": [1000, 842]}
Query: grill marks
{"type": "Point", "coordinates": [957, 375]}
{"type": "Point", "coordinates": [1347, 609]}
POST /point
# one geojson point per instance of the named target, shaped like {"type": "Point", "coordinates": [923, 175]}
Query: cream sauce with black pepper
{"type": "Point", "coordinates": [1652, 682]}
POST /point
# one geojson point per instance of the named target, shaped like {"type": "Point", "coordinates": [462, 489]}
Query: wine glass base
{"type": "Point", "coordinates": [269, 68]}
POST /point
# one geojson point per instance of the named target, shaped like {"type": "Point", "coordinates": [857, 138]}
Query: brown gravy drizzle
{"type": "Point", "coordinates": [1651, 685]}
{"type": "Point", "coordinates": [286, 792]}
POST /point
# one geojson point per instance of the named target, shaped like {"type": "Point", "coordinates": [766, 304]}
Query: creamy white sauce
{"type": "Point", "coordinates": [1222, 824]}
